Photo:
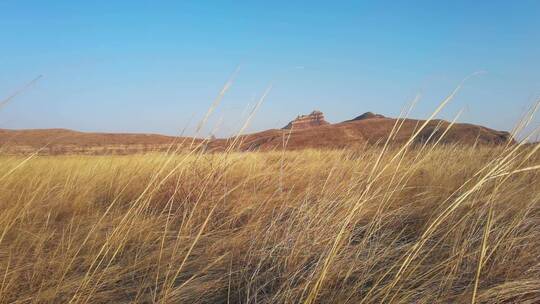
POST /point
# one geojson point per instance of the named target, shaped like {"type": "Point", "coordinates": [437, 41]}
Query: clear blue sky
{"type": "Point", "coordinates": [156, 66]}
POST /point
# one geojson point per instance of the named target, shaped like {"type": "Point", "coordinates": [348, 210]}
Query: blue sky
{"type": "Point", "coordinates": [156, 66]}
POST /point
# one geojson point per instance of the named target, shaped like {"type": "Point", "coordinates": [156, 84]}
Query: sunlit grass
{"type": "Point", "coordinates": [416, 225]}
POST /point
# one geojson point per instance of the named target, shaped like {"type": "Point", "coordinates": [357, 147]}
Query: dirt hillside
{"type": "Point", "coordinates": [368, 128]}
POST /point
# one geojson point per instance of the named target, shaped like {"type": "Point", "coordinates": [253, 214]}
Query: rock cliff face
{"type": "Point", "coordinates": [315, 119]}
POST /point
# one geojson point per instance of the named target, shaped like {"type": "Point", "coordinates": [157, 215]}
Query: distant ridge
{"type": "Point", "coordinates": [65, 141]}
{"type": "Point", "coordinates": [306, 131]}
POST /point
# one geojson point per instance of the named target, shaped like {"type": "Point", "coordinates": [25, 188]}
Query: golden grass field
{"type": "Point", "coordinates": [431, 224]}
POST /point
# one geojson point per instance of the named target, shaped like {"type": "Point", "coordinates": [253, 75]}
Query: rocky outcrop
{"type": "Point", "coordinates": [314, 119]}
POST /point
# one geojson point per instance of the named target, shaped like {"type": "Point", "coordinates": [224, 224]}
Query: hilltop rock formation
{"type": "Point", "coordinates": [314, 119]}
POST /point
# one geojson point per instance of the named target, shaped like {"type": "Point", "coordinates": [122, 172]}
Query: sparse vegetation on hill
{"type": "Point", "coordinates": [443, 224]}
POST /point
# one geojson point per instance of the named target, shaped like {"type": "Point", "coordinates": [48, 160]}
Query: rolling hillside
{"type": "Point", "coordinates": [367, 128]}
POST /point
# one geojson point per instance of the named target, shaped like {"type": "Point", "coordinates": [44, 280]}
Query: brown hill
{"type": "Point", "coordinates": [368, 128]}
{"type": "Point", "coordinates": [371, 129]}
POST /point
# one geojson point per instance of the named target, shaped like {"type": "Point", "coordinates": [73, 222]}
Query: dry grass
{"type": "Point", "coordinates": [439, 224]}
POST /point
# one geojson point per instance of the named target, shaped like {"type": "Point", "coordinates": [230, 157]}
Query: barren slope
{"type": "Point", "coordinates": [62, 141]}
{"type": "Point", "coordinates": [371, 131]}
{"type": "Point", "coordinates": [365, 129]}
